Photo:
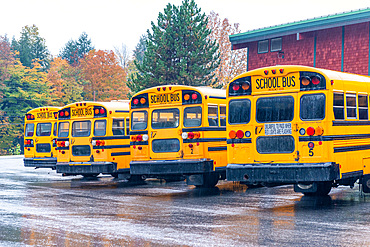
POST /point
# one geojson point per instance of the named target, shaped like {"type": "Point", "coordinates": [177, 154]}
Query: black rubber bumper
{"type": "Point", "coordinates": [282, 173]}
{"type": "Point", "coordinates": [170, 167]}
{"type": "Point", "coordinates": [80, 168]}
{"type": "Point", "coordinates": [47, 162]}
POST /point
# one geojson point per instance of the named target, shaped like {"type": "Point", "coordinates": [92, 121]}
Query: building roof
{"type": "Point", "coordinates": [319, 23]}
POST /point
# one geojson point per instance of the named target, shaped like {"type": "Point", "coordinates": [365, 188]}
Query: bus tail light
{"type": "Point", "coordinates": [66, 144]}
{"type": "Point", "coordinates": [139, 138]}
{"type": "Point", "coordinates": [239, 134]}
{"type": "Point", "coordinates": [100, 111]}
{"type": "Point", "coordinates": [133, 138]}
{"type": "Point", "coordinates": [312, 81]}
{"type": "Point", "coordinates": [319, 130]}
{"type": "Point", "coordinates": [191, 97]}
{"type": "Point", "coordinates": [140, 101]}
{"type": "Point", "coordinates": [241, 86]}
{"type": "Point", "coordinates": [184, 135]}
{"type": "Point", "coordinates": [145, 137]}
{"type": "Point", "coordinates": [232, 134]}
{"type": "Point", "coordinates": [310, 131]}
{"type": "Point", "coordinates": [190, 135]}
{"type": "Point", "coordinates": [196, 135]}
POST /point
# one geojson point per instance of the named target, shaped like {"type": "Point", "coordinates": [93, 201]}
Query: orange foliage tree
{"type": "Point", "coordinates": [232, 62]}
{"type": "Point", "coordinates": [64, 82]}
{"type": "Point", "coordinates": [104, 77]}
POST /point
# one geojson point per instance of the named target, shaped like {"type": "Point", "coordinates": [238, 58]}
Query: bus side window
{"type": "Point", "coordinates": [118, 127]}
{"type": "Point", "coordinates": [351, 106]}
{"type": "Point", "coordinates": [222, 115]}
{"type": "Point", "coordinates": [128, 126]}
{"type": "Point", "coordinates": [338, 105]}
{"type": "Point", "coordinates": [362, 107]}
{"type": "Point", "coordinates": [55, 131]}
{"type": "Point", "coordinates": [100, 127]}
{"type": "Point", "coordinates": [212, 115]}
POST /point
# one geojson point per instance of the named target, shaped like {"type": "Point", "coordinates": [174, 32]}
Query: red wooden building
{"type": "Point", "coordinates": [337, 42]}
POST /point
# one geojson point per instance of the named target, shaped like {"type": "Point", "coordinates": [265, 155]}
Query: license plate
{"type": "Point", "coordinates": [278, 129]}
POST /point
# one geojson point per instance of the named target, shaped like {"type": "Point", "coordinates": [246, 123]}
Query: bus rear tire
{"type": "Point", "coordinates": [366, 184]}
{"type": "Point", "coordinates": [209, 180]}
{"type": "Point", "coordinates": [323, 189]}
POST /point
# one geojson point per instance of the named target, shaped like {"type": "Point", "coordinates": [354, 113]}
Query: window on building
{"type": "Point", "coordinates": [263, 46]}
{"type": "Point", "coordinates": [276, 44]}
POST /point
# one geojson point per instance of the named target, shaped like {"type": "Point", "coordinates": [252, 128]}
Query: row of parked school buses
{"type": "Point", "coordinates": [272, 126]}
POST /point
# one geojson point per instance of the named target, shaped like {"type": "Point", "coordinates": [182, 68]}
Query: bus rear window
{"type": "Point", "coordinates": [239, 111]}
{"type": "Point", "coordinates": [63, 129]}
{"type": "Point", "coordinates": [43, 129]}
{"type": "Point", "coordinates": [275, 109]}
{"type": "Point", "coordinates": [165, 118]}
{"type": "Point", "coordinates": [192, 116]}
{"type": "Point", "coordinates": [139, 120]}
{"type": "Point", "coordinates": [29, 130]}
{"type": "Point", "coordinates": [312, 107]}
{"type": "Point", "coordinates": [81, 128]}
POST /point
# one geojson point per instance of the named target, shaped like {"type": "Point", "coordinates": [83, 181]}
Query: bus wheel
{"type": "Point", "coordinates": [366, 184]}
{"type": "Point", "coordinates": [209, 180]}
{"type": "Point", "coordinates": [322, 188]}
{"type": "Point", "coordinates": [90, 175]}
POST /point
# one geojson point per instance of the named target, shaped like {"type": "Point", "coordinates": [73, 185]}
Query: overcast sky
{"type": "Point", "coordinates": [112, 23]}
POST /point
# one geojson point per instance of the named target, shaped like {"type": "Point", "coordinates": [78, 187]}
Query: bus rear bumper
{"type": "Point", "coordinates": [85, 168]}
{"type": "Point", "coordinates": [155, 168]}
{"type": "Point", "coordinates": [282, 173]}
{"type": "Point", "coordinates": [42, 162]}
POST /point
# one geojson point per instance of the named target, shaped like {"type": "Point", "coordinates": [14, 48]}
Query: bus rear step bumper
{"type": "Point", "coordinates": [80, 168]}
{"type": "Point", "coordinates": [170, 167]}
{"type": "Point", "coordinates": [282, 173]}
{"type": "Point", "coordinates": [42, 162]}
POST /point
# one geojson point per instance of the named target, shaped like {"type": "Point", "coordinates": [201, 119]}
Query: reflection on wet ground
{"type": "Point", "coordinates": [40, 207]}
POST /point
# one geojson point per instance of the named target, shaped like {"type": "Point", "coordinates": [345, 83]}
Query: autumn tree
{"type": "Point", "coordinates": [74, 50]}
{"type": "Point", "coordinates": [24, 89]}
{"type": "Point", "coordinates": [31, 48]}
{"type": "Point", "coordinates": [104, 77]}
{"type": "Point", "coordinates": [232, 62]}
{"type": "Point", "coordinates": [65, 82]}
{"type": "Point", "coordinates": [179, 50]}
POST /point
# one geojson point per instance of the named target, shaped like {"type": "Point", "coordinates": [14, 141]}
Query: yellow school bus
{"type": "Point", "coordinates": [40, 132]}
{"type": "Point", "coordinates": [179, 131]}
{"type": "Point", "coordinates": [93, 138]}
{"type": "Point", "coordinates": [299, 125]}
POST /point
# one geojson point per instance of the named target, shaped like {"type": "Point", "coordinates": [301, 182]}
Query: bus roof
{"type": "Point", "coordinates": [334, 75]}
{"type": "Point", "coordinates": [44, 108]}
{"type": "Point", "coordinates": [204, 90]}
{"type": "Point", "coordinates": [123, 105]}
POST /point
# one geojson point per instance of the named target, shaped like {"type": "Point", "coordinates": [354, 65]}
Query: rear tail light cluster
{"type": "Point", "coordinates": [191, 97]}
{"type": "Point", "coordinates": [190, 135]}
{"type": "Point", "coordinates": [241, 86]}
{"type": "Point", "coordinates": [28, 143]}
{"type": "Point", "coordinates": [140, 101]}
{"type": "Point", "coordinates": [30, 117]}
{"type": "Point", "coordinates": [63, 144]}
{"type": "Point", "coordinates": [312, 81]}
{"type": "Point", "coordinates": [139, 138]}
{"type": "Point", "coordinates": [311, 131]}
{"type": "Point", "coordinates": [239, 134]}
{"type": "Point", "coordinates": [65, 113]}
{"type": "Point", "coordinates": [97, 143]}
{"type": "Point", "coordinates": [100, 111]}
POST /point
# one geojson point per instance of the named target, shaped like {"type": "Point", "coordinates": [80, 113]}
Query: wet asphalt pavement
{"type": "Point", "coordinates": [42, 208]}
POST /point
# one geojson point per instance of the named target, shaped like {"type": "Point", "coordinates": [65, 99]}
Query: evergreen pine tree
{"type": "Point", "coordinates": [179, 50]}
{"type": "Point", "coordinates": [76, 49]}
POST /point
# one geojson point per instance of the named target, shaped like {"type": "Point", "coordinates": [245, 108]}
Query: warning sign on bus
{"type": "Point", "coordinates": [278, 129]}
